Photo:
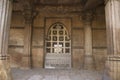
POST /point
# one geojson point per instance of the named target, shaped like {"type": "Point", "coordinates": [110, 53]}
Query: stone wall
{"type": "Point", "coordinates": [16, 40]}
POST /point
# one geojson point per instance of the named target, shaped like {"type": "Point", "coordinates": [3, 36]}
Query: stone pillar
{"type": "Point", "coordinates": [88, 62]}
{"type": "Point", "coordinates": [5, 17]}
{"type": "Point", "coordinates": [29, 16]}
{"type": "Point", "coordinates": [26, 63]}
{"type": "Point", "coordinates": [112, 12]}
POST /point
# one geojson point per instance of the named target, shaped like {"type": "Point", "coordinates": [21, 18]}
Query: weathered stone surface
{"type": "Point", "coordinates": [47, 74]}
{"type": "Point", "coordinates": [38, 37]}
{"type": "Point", "coordinates": [112, 71]}
{"type": "Point", "coordinates": [5, 15]}
{"type": "Point", "coordinates": [113, 26]}
{"type": "Point", "coordinates": [78, 58]}
{"type": "Point", "coordinates": [78, 38]}
{"type": "Point", "coordinates": [16, 37]}
{"type": "Point", "coordinates": [35, 77]}
{"type": "Point", "coordinates": [37, 57]}
{"type": "Point", "coordinates": [3, 71]}
{"type": "Point", "coordinates": [99, 58]}
{"type": "Point", "coordinates": [99, 38]}
{"type": "Point", "coordinates": [88, 58]}
{"type": "Point", "coordinates": [20, 19]}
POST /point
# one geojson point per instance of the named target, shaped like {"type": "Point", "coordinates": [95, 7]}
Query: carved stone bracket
{"type": "Point", "coordinates": [29, 15]}
{"type": "Point", "coordinates": [60, 9]}
{"type": "Point", "coordinates": [88, 16]}
{"type": "Point", "coordinates": [27, 9]}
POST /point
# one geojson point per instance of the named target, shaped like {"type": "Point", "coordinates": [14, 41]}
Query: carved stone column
{"type": "Point", "coordinates": [88, 62]}
{"type": "Point", "coordinates": [29, 15]}
{"type": "Point", "coordinates": [27, 38]}
{"type": "Point", "coordinates": [5, 17]}
{"type": "Point", "coordinates": [112, 12]}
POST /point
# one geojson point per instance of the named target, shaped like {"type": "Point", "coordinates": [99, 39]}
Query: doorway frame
{"type": "Point", "coordinates": [71, 24]}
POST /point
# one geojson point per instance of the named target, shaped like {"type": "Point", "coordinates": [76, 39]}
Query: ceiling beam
{"type": "Point", "coordinates": [58, 4]}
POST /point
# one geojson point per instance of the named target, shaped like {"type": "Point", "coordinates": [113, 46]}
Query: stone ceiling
{"type": "Point", "coordinates": [59, 1]}
{"type": "Point", "coordinates": [59, 5]}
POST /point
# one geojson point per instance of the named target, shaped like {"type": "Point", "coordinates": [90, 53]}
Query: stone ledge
{"type": "Point", "coordinates": [4, 57]}
{"type": "Point", "coordinates": [113, 58]}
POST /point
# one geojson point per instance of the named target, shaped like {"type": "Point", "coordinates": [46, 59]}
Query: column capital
{"type": "Point", "coordinates": [28, 12]}
{"type": "Point", "coordinates": [88, 16]}
{"type": "Point", "coordinates": [29, 15]}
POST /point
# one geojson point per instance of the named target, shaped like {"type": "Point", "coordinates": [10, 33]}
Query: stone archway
{"type": "Point", "coordinates": [58, 47]}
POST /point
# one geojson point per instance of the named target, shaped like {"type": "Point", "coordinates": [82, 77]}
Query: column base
{"type": "Point", "coordinates": [89, 64]}
{"type": "Point", "coordinates": [5, 69]}
{"type": "Point", "coordinates": [26, 63]}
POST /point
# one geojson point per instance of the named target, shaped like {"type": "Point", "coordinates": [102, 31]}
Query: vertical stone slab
{"type": "Point", "coordinates": [5, 15]}
{"type": "Point", "coordinates": [88, 62]}
{"type": "Point", "coordinates": [3, 10]}
{"type": "Point", "coordinates": [0, 9]}
{"type": "Point", "coordinates": [29, 16]}
{"type": "Point", "coordinates": [27, 38]}
{"type": "Point", "coordinates": [112, 12]}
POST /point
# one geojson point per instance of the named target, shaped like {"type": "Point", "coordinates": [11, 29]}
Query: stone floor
{"type": "Point", "coordinates": [47, 74]}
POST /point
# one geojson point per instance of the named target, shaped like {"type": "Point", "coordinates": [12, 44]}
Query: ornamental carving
{"type": "Point", "coordinates": [60, 9]}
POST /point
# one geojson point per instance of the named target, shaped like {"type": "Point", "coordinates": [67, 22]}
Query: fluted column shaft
{"type": "Point", "coordinates": [5, 17]}
{"type": "Point", "coordinates": [112, 12]}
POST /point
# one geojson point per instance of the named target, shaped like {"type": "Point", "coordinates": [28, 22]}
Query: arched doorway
{"type": "Point", "coordinates": [58, 47]}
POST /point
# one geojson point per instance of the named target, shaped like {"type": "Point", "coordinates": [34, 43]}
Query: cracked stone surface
{"type": "Point", "coordinates": [47, 74]}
